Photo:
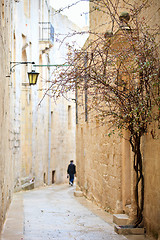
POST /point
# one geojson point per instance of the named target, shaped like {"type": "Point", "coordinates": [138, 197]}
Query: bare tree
{"type": "Point", "coordinates": [119, 69]}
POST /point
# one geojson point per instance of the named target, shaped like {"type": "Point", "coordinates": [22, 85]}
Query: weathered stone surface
{"type": "Point", "coordinates": [105, 165]}
{"type": "Point", "coordinates": [78, 193]}
{"type": "Point", "coordinates": [54, 213]}
{"type": "Point", "coordinates": [25, 180]}
{"type": "Point", "coordinates": [28, 186]}
{"type": "Point", "coordinates": [120, 219]}
{"type": "Point", "coordinates": [122, 230]}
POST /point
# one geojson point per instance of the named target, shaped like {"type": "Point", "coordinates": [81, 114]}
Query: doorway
{"type": "Point", "coordinates": [53, 176]}
{"type": "Point", "coordinates": [44, 177]}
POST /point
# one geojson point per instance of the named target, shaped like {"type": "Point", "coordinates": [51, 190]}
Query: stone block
{"type": "Point", "coordinates": [25, 180]}
{"type": "Point", "coordinates": [78, 194]}
{"type": "Point", "coordinates": [128, 230]}
{"type": "Point", "coordinates": [28, 186]}
{"type": "Point", "coordinates": [120, 219]}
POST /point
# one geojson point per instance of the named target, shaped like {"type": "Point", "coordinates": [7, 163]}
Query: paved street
{"type": "Point", "coordinates": [55, 213]}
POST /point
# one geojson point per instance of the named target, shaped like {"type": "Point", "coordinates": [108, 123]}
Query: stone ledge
{"type": "Point", "coordinates": [78, 194]}
{"type": "Point", "coordinates": [128, 230]}
{"type": "Point", "coordinates": [120, 219]}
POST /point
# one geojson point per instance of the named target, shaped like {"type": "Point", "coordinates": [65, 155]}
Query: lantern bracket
{"type": "Point", "coordinates": [18, 63]}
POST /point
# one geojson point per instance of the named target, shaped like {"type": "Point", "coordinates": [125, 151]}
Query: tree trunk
{"type": "Point", "coordinates": [139, 188]}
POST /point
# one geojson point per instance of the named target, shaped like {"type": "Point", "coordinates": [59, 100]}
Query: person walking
{"type": "Point", "coordinates": [71, 171]}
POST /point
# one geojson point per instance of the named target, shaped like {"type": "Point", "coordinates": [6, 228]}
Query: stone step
{"type": "Point", "coordinates": [128, 230]}
{"type": "Point", "coordinates": [120, 219]}
{"type": "Point", "coordinates": [78, 194]}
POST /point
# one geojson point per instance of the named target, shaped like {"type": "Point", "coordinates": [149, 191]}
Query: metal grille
{"type": "Point", "coordinates": [46, 32]}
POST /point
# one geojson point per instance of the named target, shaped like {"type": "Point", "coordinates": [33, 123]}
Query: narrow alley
{"type": "Point", "coordinates": [55, 213]}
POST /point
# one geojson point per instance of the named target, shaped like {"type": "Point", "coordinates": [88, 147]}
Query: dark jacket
{"type": "Point", "coordinates": [71, 169]}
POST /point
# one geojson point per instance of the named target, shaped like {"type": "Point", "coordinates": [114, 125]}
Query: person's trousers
{"type": "Point", "coordinates": [71, 178]}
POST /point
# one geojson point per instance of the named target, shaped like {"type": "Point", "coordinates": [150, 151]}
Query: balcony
{"type": "Point", "coordinates": [46, 33]}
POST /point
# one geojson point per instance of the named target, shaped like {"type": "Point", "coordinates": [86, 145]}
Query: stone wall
{"type": "Point", "coordinates": [37, 135]}
{"type": "Point", "coordinates": [63, 138]}
{"type": "Point", "coordinates": [105, 165]}
{"type": "Point", "coordinates": [31, 140]}
{"type": "Point", "coordinates": [99, 166]}
{"type": "Point", "coordinates": [151, 151]}
{"type": "Point", "coordinates": [6, 165]}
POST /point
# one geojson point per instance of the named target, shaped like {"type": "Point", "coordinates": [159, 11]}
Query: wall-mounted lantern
{"type": "Point", "coordinates": [33, 76]}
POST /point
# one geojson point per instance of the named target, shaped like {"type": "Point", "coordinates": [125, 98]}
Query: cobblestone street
{"type": "Point", "coordinates": [55, 213]}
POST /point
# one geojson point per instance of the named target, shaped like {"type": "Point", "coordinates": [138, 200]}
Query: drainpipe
{"type": "Point", "coordinates": [49, 116]}
{"type": "Point", "coordinates": [49, 128]}
{"type": "Point", "coordinates": [86, 96]}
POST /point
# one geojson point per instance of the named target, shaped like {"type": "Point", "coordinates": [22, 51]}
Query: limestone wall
{"type": "Point", "coordinates": [151, 149]}
{"type": "Point", "coordinates": [105, 165]}
{"type": "Point", "coordinates": [6, 165]}
{"type": "Point", "coordinates": [31, 148]}
{"type": "Point", "coordinates": [63, 137]}
{"type": "Point", "coordinates": [99, 166]}
{"type": "Point", "coordinates": [29, 126]}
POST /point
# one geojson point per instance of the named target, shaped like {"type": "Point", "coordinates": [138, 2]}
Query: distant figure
{"type": "Point", "coordinates": [71, 171]}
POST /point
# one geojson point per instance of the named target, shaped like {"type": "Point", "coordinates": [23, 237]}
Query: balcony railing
{"type": "Point", "coordinates": [46, 32]}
